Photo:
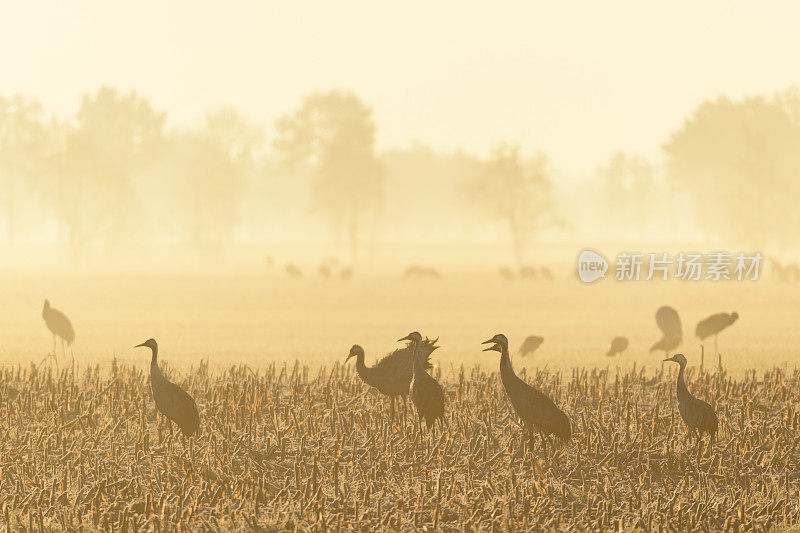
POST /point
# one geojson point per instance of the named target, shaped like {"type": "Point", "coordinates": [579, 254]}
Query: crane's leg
{"type": "Point", "coordinates": [391, 414]}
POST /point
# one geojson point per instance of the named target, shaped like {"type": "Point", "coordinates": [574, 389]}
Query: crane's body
{"type": "Point", "coordinates": [392, 374]}
{"type": "Point", "coordinates": [670, 325]}
{"type": "Point", "coordinates": [171, 400]}
{"type": "Point", "coordinates": [618, 345]}
{"type": "Point", "coordinates": [530, 345]}
{"type": "Point", "coordinates": [59, 325]}
{"type": "Point", "coordinates": [699, 416]}
{"type": "Point", "coordinates": [538, 412]}
{"type": "Point", "coordinates": [426, 393]}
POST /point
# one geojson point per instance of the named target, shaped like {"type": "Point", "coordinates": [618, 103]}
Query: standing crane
{"type": "Point", "coordinates": [537, 411]}
{"type": "Point", "coordinates": [59, 325]}
{"type": "Point", "coordinates": [426, 393]}
{"type": "Point", "coordinates": [171, 401]}
{"type": "Point", "coordinates": [618, 345]}
{"type": "Point", "coordinates": [392, 374]}
{"type": "Point", "coordinates": [699, 416]}
{"type": "Point", "coordinates": [530, 345]}
{"type": "Point", "coordinates": [670, 325]}
{"type": "Point", "coordinates": [713, 324]}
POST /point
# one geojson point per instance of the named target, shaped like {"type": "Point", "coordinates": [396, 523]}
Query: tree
{"type": "Point", "coordinates": [24, 149]}
{"type": "Point", "coordinates": [516, 193]}
{"type": "Point", "coordinates": [111, 143]}
{"type": "Point", "coordinates": [333, 136]}
{"type": "Point", "coordinates": [629, 186]}
{"type": "Point", "coordinates": [212, 165]}
{"type": "Point", "coordinates": [739, 162]}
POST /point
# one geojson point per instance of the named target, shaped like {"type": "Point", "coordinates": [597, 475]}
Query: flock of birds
{"type": "Point", "coordinates": [404, 372]}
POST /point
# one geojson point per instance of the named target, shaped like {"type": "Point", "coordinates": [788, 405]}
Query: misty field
{"type": "Point", "coordinates": [291, 438]}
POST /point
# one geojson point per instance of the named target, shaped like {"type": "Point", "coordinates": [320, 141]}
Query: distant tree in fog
{"type": "Point", "coordinates": [113, 139]}
{"type": "Point", "coordinates": [517, 193]}
{"type": "Point", "coordinates": [740, 162]}
{"type": "Point", "coordinates": [210, 169]}
{"type": "Point", "coordinates": [630, 190]}
{"type": "Point", "coordinates": [24, 150]}
{"type": "Point", "coordinates": [333, 136]}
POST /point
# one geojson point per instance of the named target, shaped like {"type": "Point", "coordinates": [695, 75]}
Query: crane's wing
{"type": "Point", "coordinates": [177, 405]}
{"type": "Point", "coordinates": [400, 359]}
{"type": "Point", "coordinates": [537, 409]}
{"type": "Point", "coordinates": [669, 322]}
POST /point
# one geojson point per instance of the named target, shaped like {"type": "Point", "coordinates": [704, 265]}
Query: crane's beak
{"type": "Point", "coordinates": [404, 339]}
{"type": "Point", "coordinates": [669, 359]}
{"type": "Point", "coordinates": [491, 348]}
{"type": "Point", "coordinates": [490, 340]}
{"type": "Point", "coordinates": [140, 345]}
{"type": "Point", "coordinates": [348, 357]}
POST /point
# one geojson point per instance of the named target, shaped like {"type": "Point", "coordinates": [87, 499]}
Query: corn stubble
{"type": "Point", "coordinates": [288, 447]}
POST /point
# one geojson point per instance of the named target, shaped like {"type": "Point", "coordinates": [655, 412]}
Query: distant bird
{"type": "Point", "coordinates": [59, 325]}
{"type": "Point", "coordinates": [325, 271]}
{"type": "Point", "coordinates": [426, 393]}
{"type": "Point", "coordinates": [546, 274]}
{"type": "Point", "coordinates": [528, 272]}
{"type": "Point", "coordinates": [537, 411]}
{"type": "Point", "coordinates": [346, 273]}
{"type": "Point", "coordinates": [530, 345]}
{"type": "Point", "coordinates": [171, 400]}
{"type": "Point", "coordinates": [294, 271]}
{"type": "Point", "coordinates": [698, 415]}
{"type": "Point", "coordinates": [392, 374]}
{"type": "Point", "coordinates": [618, 345]}
{"type": "Point", "coordinates": [670, 324]}
{"type": "Point", "coordinates": [422, 272]}
{"type": "Point", "coordinates": [506, 273]}
{"type": "Point", "coordinates": [713, 325]}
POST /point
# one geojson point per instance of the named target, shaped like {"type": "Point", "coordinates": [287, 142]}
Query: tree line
{"type": "Point", "coordinates": [114, 174]}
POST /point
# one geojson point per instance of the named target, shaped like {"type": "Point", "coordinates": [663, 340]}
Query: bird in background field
{"type": "Point", "coordinates": [530, 345]}
{"type": "Point", "coordinates": [392, 374]}
{"type": "Point", "coordinates": [713, 325]}
{"type": "Point", "coordinates": [426, 393]}
{"type": "Point", "coordinates": [537, 411]}
{"type": "Point", "coordinates": [171, 400]}
{"type": "Point", "coordinates": [618, 345]}
{"type": "Point", "coordinates": [59, 325]}
{"type": "Point", "coordinates": [699, 416]}
{"type": "Point", "coordinates": [670, 324]}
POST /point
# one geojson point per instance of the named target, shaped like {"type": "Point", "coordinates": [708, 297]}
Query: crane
{"type": "Point", "coordinates": [530, 345]}
{"type": "Point", "coordinates": [670, 325]}
{"type": "Point", "coordinates": [618, 345]}
{"type": "Point", "coordinates": [713, 325]}
{"type": "Point", "coordinates": [537, 411]}
{"type": "Point", "coordinates": [59, 325]}
{"type": "Point", "coordinates": [171, 401]}
{"type": "Point", "coordinates": [392, 374]}
{"type": "Point", "coordinates": [699, 416]}
{"type": "Point", "coordinates": [426, 393]}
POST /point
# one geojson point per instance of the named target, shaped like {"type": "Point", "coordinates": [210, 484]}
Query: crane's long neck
{"type": "Point", "coordinates": [360, 366]}
{"type": "Point", "coordinates": [683, 392]}
{"type": "Point", "coordinates": [419, 368]}
{"type": "Point", "coordinates": [155, 372]}
{"type": "Point", "coordinates": [506, 368]}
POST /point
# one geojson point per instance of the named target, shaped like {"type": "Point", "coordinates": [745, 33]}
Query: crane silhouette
{"type": "Point", "coordinates": [670, 325]}
{"type": "Point", "coordinates": [392, 374]}
{"type": "Point", "coordinates": [171, 401]}
{"type": "Point", "coordinates": [618, 345]}
{"type": "Point", "coordinates": [426, 393]}
{"type": "Point", "coordinates": [538, 412]}
{"type": "Point", "coordinates": [699, 416]}
{"type": "Point", "coordinates": [713, 325]}
{"type": "Point", "coordinates": [59, 325]}
{"type": "Point", "coordinates": [530, 345]}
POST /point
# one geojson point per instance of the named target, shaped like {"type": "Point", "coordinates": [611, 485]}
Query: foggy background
{"type": "Point", "coordinates": [351, 141]}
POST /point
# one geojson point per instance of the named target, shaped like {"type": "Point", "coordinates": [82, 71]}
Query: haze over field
{"type": "Point", "coordinates": [252, 183]}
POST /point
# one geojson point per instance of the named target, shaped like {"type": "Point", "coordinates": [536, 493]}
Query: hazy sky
{"type": "Point", "coordinates": [576, 79]}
